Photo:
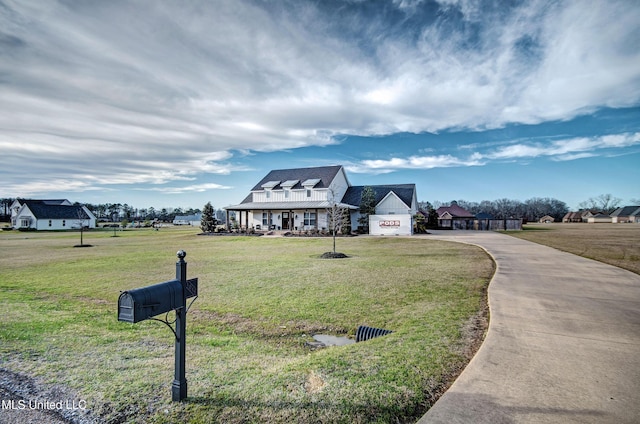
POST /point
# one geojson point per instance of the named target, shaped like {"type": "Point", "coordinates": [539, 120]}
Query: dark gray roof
{"type": "Point", "coordinates": [48, 211]}
{"type": "Point", "coordinates": [405, 192]}
{"type": "Point", "coordinates": [626, 211]}
{"type": "Point", "coordinates": [44, 201]}
{"type": "Point", "coordinates": [325, 174]}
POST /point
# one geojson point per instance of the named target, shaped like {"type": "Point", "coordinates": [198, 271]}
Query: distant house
{"type": "Point", "coordinates": [581, 216]}
{"type": "Point", "coordinates": [57, 214]}
{"type": "Point", "coordinates": [298, 199]}
{"type": "Point", "coordinates": [547, 219]}
{"type": "Point", "coordinates": [455, 217]}
{"type": "Point", "coordinates": [193, 220]}
{"type": "Point", "coordinates": [572, 217]}
{"type": "Point", "coordinates": [626, 214]}
{"type": "Point", "coordinates": [599, 218]}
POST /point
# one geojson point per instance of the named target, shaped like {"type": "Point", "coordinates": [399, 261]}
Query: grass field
{"type": "Point", "coordinates": [614, 244]}
{"type": "Point", "coordinates": [261, 300]}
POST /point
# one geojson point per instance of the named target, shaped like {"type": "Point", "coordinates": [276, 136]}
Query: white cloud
{"type": "Point", "coordinates": [197, 188]}
{"type": "Point", "coordinates": [105, 93]}
{"type": "Point", "coordinates": [566, 149]}
{"type": "Point", "coordinates": [413, 162]}
{"type": "Point", "coordinates": [556, 150]}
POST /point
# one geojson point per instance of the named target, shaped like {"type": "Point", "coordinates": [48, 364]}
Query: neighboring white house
{"type": "Point", "coordinates": [193, 220]}
{"type": "Point", "coordinates": [298, 199]}
{"type": "Point", "coordinates": [50, 215]}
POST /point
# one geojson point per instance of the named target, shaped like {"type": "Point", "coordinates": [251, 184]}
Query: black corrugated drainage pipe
{"type": "Point", "coordinates": [365, 333]}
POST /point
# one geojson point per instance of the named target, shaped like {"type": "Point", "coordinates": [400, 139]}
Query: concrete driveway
{"type": "Point", "coordinates": [563, 344]}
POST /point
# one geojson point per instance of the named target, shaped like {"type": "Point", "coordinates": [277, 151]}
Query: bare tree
{"type": "Point", "coordinates": [82, 217]}
{"type": "Point", "coordinates": [604, 202]}
{"type": "Point", "coordinates": [338, 217]}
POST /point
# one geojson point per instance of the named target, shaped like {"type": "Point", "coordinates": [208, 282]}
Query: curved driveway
{"type": "Point", "coordinates": [563, 344]}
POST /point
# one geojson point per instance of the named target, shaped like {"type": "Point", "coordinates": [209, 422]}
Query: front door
{"type": "Point", "coordinates": [285, 220]}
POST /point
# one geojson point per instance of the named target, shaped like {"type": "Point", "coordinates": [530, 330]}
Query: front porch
{"type": "Point", "coordinates": [284, 220]}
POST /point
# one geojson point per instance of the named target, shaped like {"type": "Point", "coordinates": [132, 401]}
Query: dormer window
{"type": "Point", "coordinates": [270, 184]}
{"type": "Point", "coordinates": [310, 183]}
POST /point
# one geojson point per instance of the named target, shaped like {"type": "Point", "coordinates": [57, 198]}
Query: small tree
{"type": "Point", "coordinates": [419, 224]}
{"type": "Point", "coordinates": [208, 221]}
{"type": "Point", "coordinates": [367, 207]}
{"type": "Point", "coordinates": [338, 220]}
{"type": "Point", "coordinates": [82, 217]}
{"type": "Point", "coordinates": [431, 215]}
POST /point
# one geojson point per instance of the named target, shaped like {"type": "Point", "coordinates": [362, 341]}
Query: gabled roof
{"type": "Point", "coordinates": [626, 211]}
{"type": "Point", "coordinates": [43, 210]}
{"type": "Point", "coordinates": [405, 192]}
{"type": "Point", "coordinates": [324, 175]}
{"type": "Point", "coordinates": [573, 215]}
{"type": "Point", "coordinates": [455, 211]}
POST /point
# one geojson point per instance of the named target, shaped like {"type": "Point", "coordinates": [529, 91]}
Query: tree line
{"type": "Point", "coordinates": [531, 209]}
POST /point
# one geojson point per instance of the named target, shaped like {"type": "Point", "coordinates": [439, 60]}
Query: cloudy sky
{"type": "Point", "coordinates": [177, 103]}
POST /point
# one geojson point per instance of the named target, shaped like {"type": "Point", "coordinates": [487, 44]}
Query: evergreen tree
{"type": "Point", "coordinates": [208, 222]}
{"type": "Point", "coordinates": [367, 207]}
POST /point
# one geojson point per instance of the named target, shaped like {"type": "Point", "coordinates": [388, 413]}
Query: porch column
{"type": "Point", "coordinates": [317, 219]}
{"type": "Point", "coordinates": [227, 226]}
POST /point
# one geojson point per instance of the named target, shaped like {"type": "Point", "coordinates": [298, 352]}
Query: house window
{"type": "Point", "coordinates": [265, 219]}
{"type": "Point", "coordinates": [286, 194]}
{"type": "Point", "coordinates": [24, 222]}
{"type": "Point", "coordinates": [267, 194]}
{"type": "Point", "coordinates": [308, 193]}
{"type": "Point", "coordinates": [310, 218]}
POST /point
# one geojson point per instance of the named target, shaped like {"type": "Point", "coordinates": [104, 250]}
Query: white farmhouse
{"type": "Point", "coordinates": [57, 214]}
{"type": "Point", "coordinates": [299, 199]}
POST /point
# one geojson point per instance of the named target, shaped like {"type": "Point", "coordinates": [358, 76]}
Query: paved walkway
{"type": "Point", "coordinates": [563, 344]}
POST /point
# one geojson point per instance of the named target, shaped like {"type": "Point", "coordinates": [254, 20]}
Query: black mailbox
{"type": "Point", "coordinates": [139, 304]}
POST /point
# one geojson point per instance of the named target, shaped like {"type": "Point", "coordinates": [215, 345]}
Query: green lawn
{"type": "Point", "coordinates": [260, 301]}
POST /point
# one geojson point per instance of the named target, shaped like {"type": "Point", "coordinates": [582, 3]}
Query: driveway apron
{"type": "Point", "coordinates": [563, 344]}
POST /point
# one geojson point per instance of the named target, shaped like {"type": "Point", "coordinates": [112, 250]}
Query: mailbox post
{"type": "Point", "coordinates": [179, 386]}
{"type": "Point", "coordinates": [144, 303]}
